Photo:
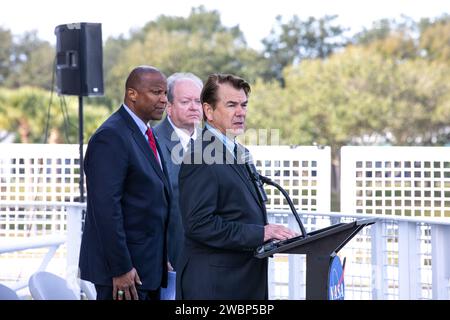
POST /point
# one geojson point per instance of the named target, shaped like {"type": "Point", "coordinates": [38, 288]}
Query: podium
{"type": "Point", "coordinates": [320, 246]}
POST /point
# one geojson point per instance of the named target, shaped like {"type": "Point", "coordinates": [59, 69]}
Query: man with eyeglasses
{"type": "Point", "coordinates": [175, 134]}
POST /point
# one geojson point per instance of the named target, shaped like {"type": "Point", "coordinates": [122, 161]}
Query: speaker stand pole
{"type": "Point", "coordinates": [80, 139]}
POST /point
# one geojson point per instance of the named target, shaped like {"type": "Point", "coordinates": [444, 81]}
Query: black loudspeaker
{"type": "Point", "coordinates": [79, 59]}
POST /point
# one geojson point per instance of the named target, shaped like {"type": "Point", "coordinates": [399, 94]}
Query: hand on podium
{"type": "Point", "coordinates": [278, 232]}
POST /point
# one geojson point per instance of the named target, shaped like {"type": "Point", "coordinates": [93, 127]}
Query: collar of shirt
{"type": "Point", "coordinates": [141, 125]}
{"type": "Point", "coordinates": [184, 137]}
{"type": "Point", "coordinates": [229, 144]}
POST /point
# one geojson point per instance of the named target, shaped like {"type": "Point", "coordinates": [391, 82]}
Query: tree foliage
{"type": "Point", "coordinates": [23, 112]}
{"type": "Point", "coordinates": [291, 42]}
{"type": "Point", "coordinates": [358, 96]}
{"type": "Point", "coordinates": [27, 61]}
{"type": "Point", "coordinates": [434, 40]}
{"type": "Point", "coordinates": [5, 54]}
{"type": "Point", "coordinates": [390, 85]}
{"type": "Point", "coordinates": [198, 44]}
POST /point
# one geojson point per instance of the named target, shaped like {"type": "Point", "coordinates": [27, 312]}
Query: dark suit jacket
{"type": "Point", "coordinates": [127, 206]}
{"type": "Point", "coordinates": [224, 222]}
{"type": "Point", "coordinates": [175, 235]}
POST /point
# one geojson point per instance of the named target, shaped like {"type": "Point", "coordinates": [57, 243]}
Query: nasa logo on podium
{"type": "Point", "coordinates": [336, 286]}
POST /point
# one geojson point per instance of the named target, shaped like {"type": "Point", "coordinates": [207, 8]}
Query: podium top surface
{"type": "Point", "coordinates": [352, 228]}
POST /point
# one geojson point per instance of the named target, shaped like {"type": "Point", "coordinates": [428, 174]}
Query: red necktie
{"type": "Point", "coordinates": [152, 142]}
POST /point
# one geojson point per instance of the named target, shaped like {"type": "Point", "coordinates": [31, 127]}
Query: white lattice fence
{"type": "Point", "coordinates": [40, 173]}
{"type": "Point", "coordinates": [303, 171]}
{"type": "Point", "coordinates": [36, 173]}
{"type": "Point", "coordinates": [403, 182]}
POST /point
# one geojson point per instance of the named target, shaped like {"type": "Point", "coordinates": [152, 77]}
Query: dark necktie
{"type": "Point", "coordinates": [152, 142]}
{"type": "Point", "coordinates": [190, 145]}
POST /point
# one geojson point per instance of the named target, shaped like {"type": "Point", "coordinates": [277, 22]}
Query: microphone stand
{"type": "Point", "coordinates": [291, 205]}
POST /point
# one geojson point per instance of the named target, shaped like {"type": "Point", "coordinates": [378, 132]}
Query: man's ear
{"type": "Point", "coordinates": [208, 111]}
{"type": "Point", "coordinates": [132, 94]}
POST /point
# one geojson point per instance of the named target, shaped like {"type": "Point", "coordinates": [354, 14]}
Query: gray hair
{"type": "Point", "coordinates": [174, 78]}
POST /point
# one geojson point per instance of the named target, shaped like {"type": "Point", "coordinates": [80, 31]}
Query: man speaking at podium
{"type": "Point", "coordinates": [223, 215]}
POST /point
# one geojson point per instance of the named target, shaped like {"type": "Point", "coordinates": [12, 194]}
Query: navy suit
{"type": "Point", "coordinates": [127, 206]}
{"type": "Point", "coordinates": [169, 141]}
{"type": "Point", "coordinates": [224, 222]}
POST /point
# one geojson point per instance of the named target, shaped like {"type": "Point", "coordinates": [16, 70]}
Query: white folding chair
{"type": "Point", "coordinates": [48, 286]}
{"type": "Point", "coordinates": [6, 293]}
{"type": "Point", "coordinates": [89, 289]}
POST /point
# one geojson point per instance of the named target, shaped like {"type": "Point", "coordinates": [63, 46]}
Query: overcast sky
{"type": "Point", "coordinates": [254, 17]}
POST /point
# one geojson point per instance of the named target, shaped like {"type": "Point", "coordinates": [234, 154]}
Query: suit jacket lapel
{"type": "Point", "coordinates": [166, 135]}
{"type": "Point", "coordinates": [242, 157]}
{"type": "Point", "coordinates": [143, 145]}
{"type": "Point", "coordinates": [163, 164]}
{"type": "Point", "coordinates": [239, 169]}
{"type": "Point", "coordinates": [170, 145]}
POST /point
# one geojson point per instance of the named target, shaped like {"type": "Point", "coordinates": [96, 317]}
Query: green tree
{"type": "Point", "coordinates": [23, 112]}
{"type": "Point", "coordinates": [357, 96]}
{"type": "Point", "coordinates": [112, 54]}
{"type": "Point", "coordinates": [200, 21]}
{"type": "Point", "coordinates": [420, 104]}
{"type": "Point", "coordinates": [198, 44]}
{"type": "Point", "coordinates": [391, 38]}
{"type": "Point", "coordinates": [6, 43]}
{"type": "Point", "coordinates": [291, 42]}
{"type": "Point", "coordinates": [380, 30]}
{"type": "Point", "coordinates": [434, 40]}
{"type": "Point", "coordinates": [32, 62]}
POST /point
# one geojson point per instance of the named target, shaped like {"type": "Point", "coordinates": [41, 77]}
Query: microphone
{"type": "Point", "coordinates": [254, 176]}
{"type": "Point", "coordinates": [259, 180]}
{"type": "Point", "coordinates": [268, 181]}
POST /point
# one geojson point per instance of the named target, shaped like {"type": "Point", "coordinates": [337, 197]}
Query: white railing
{"type": "Point", "coordinates": [18, 254]}
{"type": "Point", "coordinates": [14, 245]}
{"type": "Point", "coordinates": [369, 272]}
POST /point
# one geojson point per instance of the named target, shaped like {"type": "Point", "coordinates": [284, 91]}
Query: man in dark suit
{"type": "Point", "coordinates": [184, 115]}
{"type": "Point", "coordinates": [224, 219]}
{"type": "Point", "coordinates": [123, 248]}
